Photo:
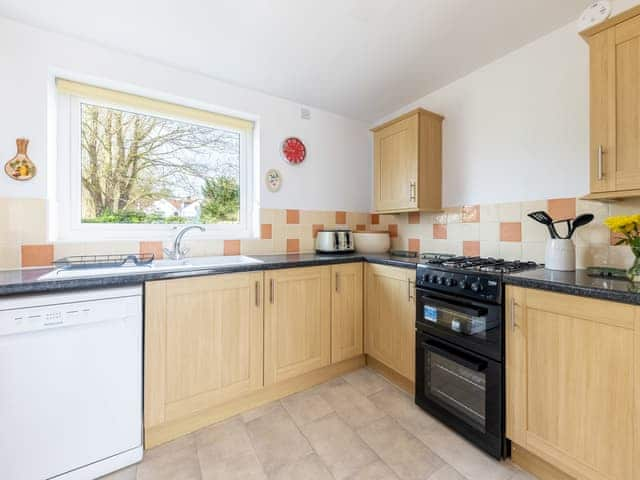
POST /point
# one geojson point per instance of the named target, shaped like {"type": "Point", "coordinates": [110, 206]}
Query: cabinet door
{"type": "Point", "coordinates": [603, 112]}
{"type": "Point", "coordinates": [516, 361]}
{"type": "Point", "coordinates": [346, 311]}
{"type": "Point", "coordinates": [203, 343]}
{"type": "Point", "coordinates": [577, 406]}
{"type": "Point", "coordinates": [297, 322]}
{"type": "Point", "coordinates": [396, 165]}
{"type": "Point", "coordinates": [390, 317]}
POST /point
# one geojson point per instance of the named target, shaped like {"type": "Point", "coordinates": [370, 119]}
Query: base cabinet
{"type": "Point", "coordinates": [297, 337]}
{"type": "Point", "coordinates": [390, 317]}
{"type": "Point", "coordinates": [203, 343]}
{"type": "Point", "coordinates": [346, 311]}
{"type": "Point", "coordinates": [573, 382]}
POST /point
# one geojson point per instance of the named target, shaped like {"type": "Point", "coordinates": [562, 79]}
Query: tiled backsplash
{"type": "Point", "coordinates": [504, 230]}
{"type": "Point", "coordinates": [500, 230]}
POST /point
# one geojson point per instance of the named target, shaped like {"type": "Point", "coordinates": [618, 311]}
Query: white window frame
{"type": "Point", "coordinates": [69, 226]}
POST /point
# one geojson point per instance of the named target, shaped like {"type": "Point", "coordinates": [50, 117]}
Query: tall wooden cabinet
{"type": "Point", "coordinates": [390, 317]}
{"type": "Point", "coordinates": [346, 311]}
{"type": "Point", "coordinates": [408, 163]}
{"type": "Point", "coordinates": [573, 382]}
{"type": "Point", "coordinates": [297, 336]}
{"type": "Point", "coordinates": [615, 106]}
{"type": "Point", "coordinates": [203, 343]}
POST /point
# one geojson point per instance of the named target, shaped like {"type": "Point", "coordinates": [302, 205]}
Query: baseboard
{"type": "Point", "coordinates": [160, 434]}
{"type": "Point", "coordinates": [535, 465]}
{"type": "Point", "coordinates": [391, 375]}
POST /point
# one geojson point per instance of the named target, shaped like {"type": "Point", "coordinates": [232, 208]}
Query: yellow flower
{"type": "Point", "coordinates": [623, 224]}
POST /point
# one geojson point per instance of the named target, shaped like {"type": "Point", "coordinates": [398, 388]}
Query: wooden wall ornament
{"type": "Point", "coordinates": [21, 167]}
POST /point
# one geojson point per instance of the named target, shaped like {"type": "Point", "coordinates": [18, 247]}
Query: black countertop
{"type": "Point", "coordinates": [13, 282]}
{"type": "Point", "coordinates": [577, 283]}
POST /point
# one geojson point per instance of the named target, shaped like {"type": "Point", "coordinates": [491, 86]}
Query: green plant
{"type": "Point", "coordinates": [221, 200]}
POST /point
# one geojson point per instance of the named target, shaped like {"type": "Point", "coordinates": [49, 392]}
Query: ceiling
{"type": "Point", "coordinates": [359, 58]}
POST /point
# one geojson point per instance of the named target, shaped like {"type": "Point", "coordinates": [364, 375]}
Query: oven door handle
{"type": "Point", "coordinates": [477, 366]}
{"type": "Point", "coordinates": [425, 300]}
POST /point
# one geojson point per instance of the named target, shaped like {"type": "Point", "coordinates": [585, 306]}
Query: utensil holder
{"type": "Point", "coordinates": [560, 255]}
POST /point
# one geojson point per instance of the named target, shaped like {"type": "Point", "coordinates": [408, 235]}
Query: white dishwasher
{"type": "Point", "coordinates": [70, 384]}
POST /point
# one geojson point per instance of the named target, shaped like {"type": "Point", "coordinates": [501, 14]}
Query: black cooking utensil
{"type": "Point", "coordinates": [568, 222]}
{"type": "Point", "coordinates": [580, 221]}
{"type": "Point", "coordinates": [545, 219]}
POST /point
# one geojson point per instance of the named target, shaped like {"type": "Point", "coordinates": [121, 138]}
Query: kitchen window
{"type": "Point", "coordinates": [132, 167]}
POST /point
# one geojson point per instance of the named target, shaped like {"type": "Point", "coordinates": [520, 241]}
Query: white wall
{"type": "Point", "coordinates": [518, 128]}
{"type": "Point", "coordinates": [335, 176]}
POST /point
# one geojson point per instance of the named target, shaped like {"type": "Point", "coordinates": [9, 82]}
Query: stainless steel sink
{"type": "Point", "coordinates": [164, 265]}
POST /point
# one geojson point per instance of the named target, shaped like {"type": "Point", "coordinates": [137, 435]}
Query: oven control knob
{"type": "Point", "coordinates": [464, 284]}
{"type": "Point", "coordinates": [440, 280]}
{"type": "Point", "coordinates": [476, 287]}
{"type": "Point", "coordinates": [450, 282]}
{"type": "Point", "coordinates": [434, 279]}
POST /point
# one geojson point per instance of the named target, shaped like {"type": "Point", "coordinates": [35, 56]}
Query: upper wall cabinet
{"type": "Point", "coordinates": [408, 163]}
{"type": "Point", "coordinates": [615, 106]}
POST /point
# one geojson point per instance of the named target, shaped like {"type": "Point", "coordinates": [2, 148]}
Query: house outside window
{"type": "Point", "coordinates": [132, 167]}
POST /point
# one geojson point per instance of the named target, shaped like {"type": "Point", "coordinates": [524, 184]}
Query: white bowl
{"type": "Point", "coordinates": [372, 242]}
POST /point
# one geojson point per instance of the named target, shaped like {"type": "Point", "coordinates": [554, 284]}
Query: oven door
{"type": "Point", "coordinates": [473, 325]}
{"type": "Point", "coordinates": [463, 390]}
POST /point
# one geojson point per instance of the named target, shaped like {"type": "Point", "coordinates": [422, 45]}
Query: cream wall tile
{"type": "Point", "coordinates": [489, 249]}
{"type": "Point", "coordinates": [454, 214]}
{"type": "Point", "coordinates": [275, 216]}
{"type": "Point", "coordinates": [592, 234]}
{"type": "Point", "coordinates": [256, 247]}
{"type": "Point", "coordinates": [620, 257]}
{"type": "Point", "coordinates": [600, 210]}
{"type": "Point", "coordinates": [509, 212]}
{"type": "Point", "coordinates": [489, 213]}
{"type": "Point", "coordinates": [440, 246]}
{"type": "Point", "coordinates": [10, 257]}
{"type": "Point", "coordinates": [427, 218]}
{"type": "Point", "coordinates": [533, 251]}
{"type": "Point", "coordinates": [204, 248]}
{"type": "Point", "coordinates": [99, 248]}
{"type": "Point", "coordinates": [279, 238]}
{"type": "Point", "coordinates": [510, 250]}
{"type": "Point", "coordinates": [463, 231]}
{"type": "Point", "coordinates": [489, 231]}
{"type": "Point", "coordinates": [67, 249]}
{"type": "Point", "coordinates": [629, 206]}
{"type": "Point", "coordinates": [592, 256]}
{"type": "Point", "coordinates": [533, 231]}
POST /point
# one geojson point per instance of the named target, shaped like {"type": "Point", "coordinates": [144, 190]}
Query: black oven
{"type": "Point", "coordinates": [459, 368]}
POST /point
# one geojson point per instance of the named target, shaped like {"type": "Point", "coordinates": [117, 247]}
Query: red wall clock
{"type": "Point", "coordinates": [294, 151]}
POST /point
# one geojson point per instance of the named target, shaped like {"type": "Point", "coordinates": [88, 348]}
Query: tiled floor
{"type": "Point", "coordinates": [355, 427]}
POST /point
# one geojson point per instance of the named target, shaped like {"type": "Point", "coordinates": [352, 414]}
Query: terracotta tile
{"type": "Point", "coordinates": [471, 248]}
{"type": "Point", "coordinates": [266, 231]}
{"type": "Point", "coordinates": [614, 238]}
{"type": "Point", "coordinates": [361, 228]}
{"type": "Point", "coordinates": [152, 247]}
{"type": "Point", "coordinates": [293, 245]}
{"type": "Point", "coordinates": [511, 232]}
{"type": "Point", "coordinates": [293, 217]}
{"type": "Point", "coordinates": [341, 218]}
{"type": "Point", "coordinates": [414, 218]}
{"type": "Point", "coordinates": [562, 208]}
{"type": "Point", "coordinates": [232, 247]}
{"type": "Point", "coordinates": [393, 230]}
{"type": "Point", "coordinates": [37, 255]}
{"type": "Point", "coordinates": [414, 245]}
{"type": "Point", "coordinates": [471, 214]}
{"type": "Point", "coordinates": [439, 231]}
{"type": "Point", "coordinates": [375, 219]}
{"type": "Point", "coordinates": [315, 228]}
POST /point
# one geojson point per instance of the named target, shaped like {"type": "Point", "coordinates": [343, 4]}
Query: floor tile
{"type": "Point", "coordinates": [236, 467]}
{"type": "Point", "coordinates": [447, 472]}
{"type": "Point", "coordinates": [409, 458]}
{"type": "Point", "coordinates": [177, 460]}
{"type": "Point", "coordinates": [259, 411]}
{"type": "Point", "coordinates": [223, 440]}
{"type": "Point", "coordinates": [366, 381]}
{"type": "Point", "coordinates": [341, 449]}
{"type": "Point", "coordinates": [129, 473]}
{"type": "Point", "coordinates": [351, 405]}
{"type": "Point", "coordinates": [309, 467]}
{"type": "Point", "coordinates": [375, 471]}
{"type": "Point", "coordinates": [306, 407]}
{"type": "Point", "coordinates": [277, 440]}
{"type": "Point", "coordinates": [402, 408]}
{"type": "Point", "coordinates": [471, 462]}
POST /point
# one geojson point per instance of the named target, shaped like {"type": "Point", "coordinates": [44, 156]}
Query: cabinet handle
{"type": "Point", "coordinates": [513, 314]}
{"type": "Point", "coordinates": [337, 279]}
{"type": "Point", "coordinates": [410, 288]}
{"type": "Point", "coordinates": [271, 289]}
{"type": "Point", "coordinates": [412, 191]}
{"type": "Point", "coordinates": [257, 293]}
{"type": "Point", "coordinates": [600, 162]}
